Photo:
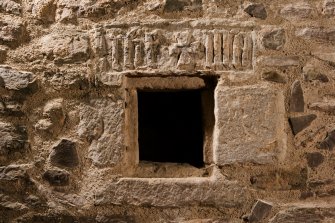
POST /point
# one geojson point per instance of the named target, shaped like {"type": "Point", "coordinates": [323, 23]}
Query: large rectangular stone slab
{"type": "Point", "coordinates": [250, 122]}
{"type": "Point", "coordinates": [215, 190]}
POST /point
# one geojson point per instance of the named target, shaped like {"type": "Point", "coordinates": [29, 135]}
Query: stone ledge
{"type": "Point", "coordinates": [173, 192]}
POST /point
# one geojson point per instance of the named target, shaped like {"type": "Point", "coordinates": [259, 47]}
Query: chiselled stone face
{"type": "Point", "coordinates": [167, 111]}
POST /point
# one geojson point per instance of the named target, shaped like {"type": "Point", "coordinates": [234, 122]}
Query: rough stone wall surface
{"type": "Point", "coordinates": [69, 70]}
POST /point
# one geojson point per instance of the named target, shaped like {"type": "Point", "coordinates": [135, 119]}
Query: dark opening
{"type": "Point", "coordinates": [170, 126]}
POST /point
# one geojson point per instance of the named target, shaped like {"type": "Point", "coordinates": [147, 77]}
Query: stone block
{"type": "Point", "coordinates": [260, 211]}
{"type": "Point", "coordinates": [56, 177]}
{"type": "Point", "coordinates": [104, 131]}
{"type": "Point", "coordinates": [12, 32]}
{"type": "Point", "coordinates": [297, 103]}
{"type": "Point", "coordinates": [250, 125]}
{"type": "Point", "coordinates": [305, 212]}
{"type": "Point", "coordinates": [328, 7]}
{"type": "Point", "coordinates": [273, 76]}
{"type": "Point", "coordinates": [274, 39]}
{"type": "Point", "coordinates": [329, 142]}
{"type": "Point", "coordinates": [297, 10]}
{"type": "Point", "coordinates": [64, 154]}
{"type": "Point", "coordinates": [314, 159]}
{"type": "Point", "coordinates": [67, 46]}
{"type": "Point", "coordinates": [13, 139]}
{"type": "Point", "coordinates": [279, 61]}
{"type": "Point", "coordinates": [256, 10]}
{"type": "Point", "coordinates": [301, 122]}
{"type": "Point", "coordinates": [17, 80]}
{"type": "Point", "coordinates": [14, 179]}
{"type": "Point", "coordinates": [317, 33]}
{"type": "Point", "coordinates": [10, 6]}
{"type": "Point", "coordinates": [172, 192]}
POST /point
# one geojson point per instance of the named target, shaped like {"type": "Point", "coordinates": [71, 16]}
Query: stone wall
{"type": "Point", "coordinates": [69, 74]}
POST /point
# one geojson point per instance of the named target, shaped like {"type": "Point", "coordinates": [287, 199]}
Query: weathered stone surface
{"type": "Point", "coordinates": [82, 54]}
{"type": "Point", "coordinates": [174, 192]}
{"type": "Point", "coordinates": [91, 124]}
{"type": "Point", "coordinates": [215, 220]}
{"type": "Point", "coordinates": [324, 106]}
{"type": "Point", "coordinates": [11, 108]}
{"type": "Point", "coordinates": [329, 142]}
{"type": "Point", "coordinates": [47, 217]}
{"type": "Point", "coordinates": [280, 61]}
{"type": "Point", "coordinates": [3, 54]}
{"type": "Point", "coordinates": [317, 33]}
{"type": "Point", "coordinates": [68, 11]}
{"type": "Point", "coordinates": [56, 177]}
{"type": "Point", "coordinates": [17, 80]}
{"type": "Point", "coordinates": [54, 111]}
{"type": "Point", "coordinates": [12, 33]}
{"type": "Point", "coordinates": [260, 211]}
{"type": "Point", "coordinates": [328, 7]}
{"type": "Point", "coordinates": [180, 5]}
{"type": "Point", "coordinates": [240, 112]}
{"type": "Point", "coordinates": [64, 154]}
{"type": "Point", "coordinates": [314, 159]}
{"type": "Point", "coordinates": [44, 10]}
{"type": "Point", "coordinates": [65, 46]}
{"type": "Point", "coordinates": [112, 219]}
{"type": "Point", "coordinates": [282, 179]}
{"type": "Point", "coordinates": [309, 213]}
{"type": "Point", "coordinates": [107, 145]}
{"type": "Point", "coordinates": [297, 10]}
{"type": "Point", "coordinates": [313, 74]}
{"type": "Point", "coordinates": [274, 39]}
{"type": "Point", "coordinates": [301, 122]}
{"type": "Point", "coordinates": [53, 118]}
{"type": "Point", "coordinates": [297, 103]}
{"type": "Point", "coordinates": [14, 179]}
{"type": "Point", "coordinates": [12, 139]}
{"type": "Point", "coordinates": [68, 80]}
{"type": "Point", "coordinates": [273, 76]}
{"type": "Point", "coordinates": [10, 6]}
{"type": "Point", "coordinates": [256, 10]}
{"type": "Point", "coordinates": [325, 54]}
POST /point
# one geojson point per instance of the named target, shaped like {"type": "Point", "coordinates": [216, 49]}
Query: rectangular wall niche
{"type": "Point", "coordinates": [170, 127]}
{"type": "Point", "coordinates": [170, 120]}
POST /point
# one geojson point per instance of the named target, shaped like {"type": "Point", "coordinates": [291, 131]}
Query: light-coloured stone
{"type": "Point", "coordinates": [10, 6]}
{"type": "Point", "coordinates": [106, 147]}
{"type": "Point", "coordinates": [328, 7]}
{"type": "Point", "coordinates": [66, 46]}
{"type": "Point", "coordinates": [16, 80]}
{"type": "Point", "coordinates": [91, 125]}
{"type": "Point", "coordinates": [297, 10]}
{"type": "Point", "coordinates": [325, 106]}
{"type": "Point", "coordinates": [317, 33]}
{"type": "Point", "coordinates": [44, 10]}
{"type": "Point", "coordinates": [175, 192]}
{"type": "Point", "coordinates": [53, 118]}
{"type": "Point", "coordinates": [279, 61]}
{"type": "Point", "coordinates": [250, 125]}
{"type": "Point", "coordinates": [325, 54]}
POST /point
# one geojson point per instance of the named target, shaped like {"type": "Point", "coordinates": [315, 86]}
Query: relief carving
{"type": "Point", "coordinates": [118, 50]}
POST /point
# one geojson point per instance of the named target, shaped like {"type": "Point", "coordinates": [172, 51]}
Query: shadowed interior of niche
{"type": "Point", "coordinates": [171, 126]}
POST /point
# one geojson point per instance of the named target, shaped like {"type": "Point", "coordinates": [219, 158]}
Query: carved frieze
{"type": "Point", "coordinates": [138, 48]}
